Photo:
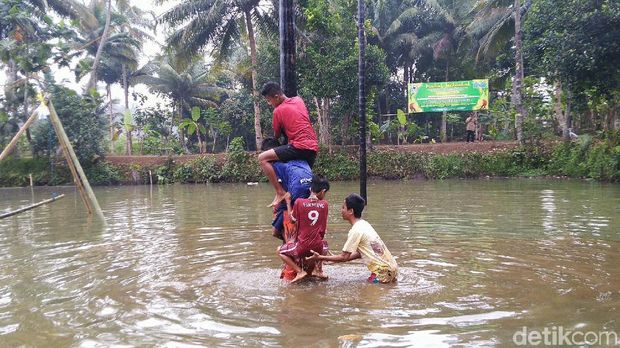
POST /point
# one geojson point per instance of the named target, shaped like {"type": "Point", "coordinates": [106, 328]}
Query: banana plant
{"type": "Point", "coordinates": [193, 126]}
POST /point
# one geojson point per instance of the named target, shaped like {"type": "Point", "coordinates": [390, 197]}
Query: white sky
{"type": "Point", "coordinates": [66, 77]}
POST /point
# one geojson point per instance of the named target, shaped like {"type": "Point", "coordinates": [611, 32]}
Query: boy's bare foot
{"type": "Point", "coordinates": [301, 275]}
{"type": "Point", "coordinates": [320, 275]}
{"type": "Point", "coordinates": [277, 199]}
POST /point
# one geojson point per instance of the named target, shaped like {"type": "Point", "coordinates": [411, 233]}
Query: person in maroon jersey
{"type": "Point", "coordinates": [310, 215]}
{"type": "Point", "coordinates": [290, 118]}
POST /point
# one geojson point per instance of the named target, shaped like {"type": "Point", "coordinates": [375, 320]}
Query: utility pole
{"type": "Point", "coordinates": [288, 79]}
{"type": "Point", "coordinates": [362, 96]}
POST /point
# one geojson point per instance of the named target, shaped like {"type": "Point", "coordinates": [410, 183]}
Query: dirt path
{"type": "Point", "coordinates": [458, 147]}
{"type": "Point", "coordinates": [447, 148]}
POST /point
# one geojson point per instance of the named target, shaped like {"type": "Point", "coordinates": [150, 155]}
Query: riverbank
{"type": "Point", "coordinates": [586, 159]}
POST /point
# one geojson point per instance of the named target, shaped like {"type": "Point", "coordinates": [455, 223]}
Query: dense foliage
{"type": "Point", "coordinates": [587, 159]}
{"type": "Point", "coordinates": [204, 82]}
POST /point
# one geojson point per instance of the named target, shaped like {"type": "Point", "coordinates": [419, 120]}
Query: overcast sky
{"type": "Point", "coordinates": [67, 78]}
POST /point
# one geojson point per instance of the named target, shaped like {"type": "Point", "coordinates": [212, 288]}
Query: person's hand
{"type": "Point", "coordinates": [315, 256]}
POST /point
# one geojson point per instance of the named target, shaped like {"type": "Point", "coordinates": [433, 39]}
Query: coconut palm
{"type": "Point", "coordinates": [495, 23]}
{"type": "Point", "coordinates": [419, 32]}
{"type": "Point", "coordinates": [219, 23]}
{"type": "Point", "coordinates": [120, 49]}
{"type": "Point", "coordinates": [137, 24]}
{"type": "Point", "coordinates": [185, 86]}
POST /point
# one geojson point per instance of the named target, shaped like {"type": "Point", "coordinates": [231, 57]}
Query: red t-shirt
{"type": "Point", "coordinates": [292, 116]}
{"type": "Point", "coordinates": [311, 218]}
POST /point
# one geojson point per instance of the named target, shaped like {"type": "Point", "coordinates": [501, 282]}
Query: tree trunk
{"type": "Point", "coordinates": [26, 113]}
{"type": "Point", "coordinates": [322, 107]}
{"type": "Point", "coordinates": [92, 83]}
{"type": "Point", "coordinates": [214, 133]}
{"type": "Point", "coordinates": [444, 116]}
{"type": "Point", "coordinates": [129, 141]}
{"type": "Point", "coordinates": [557, 108]}
{"type": "Point", "coordinates": [518, 80]}
{"type": "Point", "coordinates": [257, 128]}
{"type": "Point", "coordinates": [181, 132]}
{"type": "Point", "coordinates": [110, 117]}
{"type": "Point", "coordinates": [344, 131]}
{"type": "Point", "coordinates": [478, 133]}
{"type": "Point", "coordinates": [201, 149]}
{"type": "Point", "coordinates": [568, 114]}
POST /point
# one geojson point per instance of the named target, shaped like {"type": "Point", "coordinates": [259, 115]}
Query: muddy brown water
{"type": "Point", "coordinates": [194, 266]}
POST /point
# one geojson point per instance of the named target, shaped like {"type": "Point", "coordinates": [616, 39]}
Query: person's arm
{"type": "Point", "coordinates": [289, 206]}
{"type": "Point", "coordinates": [344, 257]}
{"type": "Point", "coordinates": [277, 127]}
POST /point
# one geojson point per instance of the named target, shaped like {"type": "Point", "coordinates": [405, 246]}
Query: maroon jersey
{"type": "Point", "coordinates": [292, 116]}
{"type": "Point", "coordinates": [311, 218]}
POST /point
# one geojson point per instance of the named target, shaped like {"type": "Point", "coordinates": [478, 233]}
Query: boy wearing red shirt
{"type": "Point", "coordinates": [291, 118]}
{"type": "Point", "coordinates": [311, 217]}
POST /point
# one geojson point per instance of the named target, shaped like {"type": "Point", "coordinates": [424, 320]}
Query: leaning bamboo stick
{"type": "Point", "coordinates": [62, 137]}
{"type": "Point", "coordinates": [7, 150]}
{"type": "Point", "coordinates": [74, 173]}
{"type": "Point", "coordinates": [21, 210]}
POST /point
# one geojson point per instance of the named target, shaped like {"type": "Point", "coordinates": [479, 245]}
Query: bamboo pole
{"type": "Point", "coordinates": [71, 164]}
{"type": "Point", "coordinates": [7, 150]}
{"type": "Point", "coordinates": [21, 210]}
{"type": "Point", "coordinates": [71, 157]}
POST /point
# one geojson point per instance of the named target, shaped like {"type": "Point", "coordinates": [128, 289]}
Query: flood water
{"type": "Point", "coordinates": [195, 265]}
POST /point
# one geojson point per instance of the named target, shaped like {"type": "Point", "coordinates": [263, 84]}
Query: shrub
{"type": "Point", "coordinates": [102, 173]}
{"type": "Point", "coordinates": [338, 166]}
{"type": "Point", "coordinates": [15, 172]}
{"type": "Point", "coordinates": [206, 169]}
{"type": "Point", "coordinates": [183, 174]}
{"type": "Point", "coordinates": [240, 166]}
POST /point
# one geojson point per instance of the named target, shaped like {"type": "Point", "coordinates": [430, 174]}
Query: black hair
{"type": "Point", "coordinates": [355, 202]}
{"type": "Point", "coordinates": [271, 89]}
{"type": "Point", "coordinates": [319, 183]}
{"type": "Point", "coordinates": [269, 143]}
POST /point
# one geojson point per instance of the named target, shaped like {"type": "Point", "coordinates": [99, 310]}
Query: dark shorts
{"type": "Point", "coordinates": [278, 220]}
{"type": "Point", "coordinates": [287, 153]}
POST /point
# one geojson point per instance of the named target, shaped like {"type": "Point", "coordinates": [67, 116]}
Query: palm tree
{"type": "Point", "coordinates": [419, 32]}
{"type": "Point", "coordinates": [455, 17]}
{"type": "Point", "coordinates": [119, 50]}
{"type": "Point", "coordinates": [137, 24]}
{"type": "Point", "coordinates": [218, 23]}
{"type": "Point", "coordinates": [492, 27]}
{"type": "Point", "coordinates": [117, 55]}
{"type": "Point", "coordinates": [185, 86]}
{"type": "Point", "coordinates": [92, 82]}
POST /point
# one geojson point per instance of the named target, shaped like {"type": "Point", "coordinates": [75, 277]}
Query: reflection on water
{"type": "Point", "coordinates": [196, 266]}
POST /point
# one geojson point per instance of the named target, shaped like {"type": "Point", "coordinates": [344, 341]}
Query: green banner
{"type": "Point", "coordinates": [448, 96]}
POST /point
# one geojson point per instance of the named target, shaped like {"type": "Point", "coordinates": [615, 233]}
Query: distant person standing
{"type": "Point", "coordinates": [470, 124]}
{"type": "Point", "coordinates": [291, 118]}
